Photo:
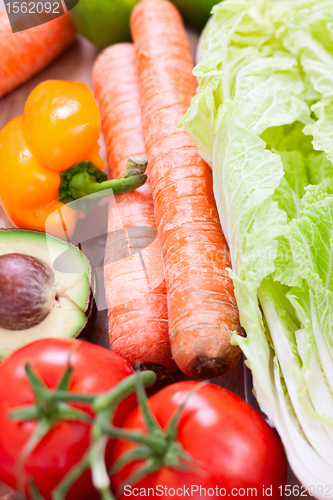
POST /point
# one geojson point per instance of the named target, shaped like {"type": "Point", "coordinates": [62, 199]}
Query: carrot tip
{"type": "Point", "coordinates": [162, 373]}
{"type": "Point", "coordinates": [206, 368]}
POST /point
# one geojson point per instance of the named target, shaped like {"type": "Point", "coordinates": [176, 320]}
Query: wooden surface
{"type": "Point", "coordinates": [76, 65]}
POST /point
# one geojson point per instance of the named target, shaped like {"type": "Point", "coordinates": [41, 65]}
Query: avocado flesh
{"type": "Point", "coordinates": [72, 303]}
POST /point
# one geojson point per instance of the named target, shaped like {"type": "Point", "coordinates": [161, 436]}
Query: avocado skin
{"type": "Point", "coordinates": [90, 310]}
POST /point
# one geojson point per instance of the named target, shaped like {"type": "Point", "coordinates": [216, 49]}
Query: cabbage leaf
{"type": "Point", "coordinates": [263, 119]}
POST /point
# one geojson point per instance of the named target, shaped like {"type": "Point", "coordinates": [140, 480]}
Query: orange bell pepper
{"type": "Point", "coordinates": [50, 156]}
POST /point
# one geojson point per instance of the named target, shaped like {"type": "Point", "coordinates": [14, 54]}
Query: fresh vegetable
{"type": "Point", "coordinates": [43, 438]}
{"type": "Point", "coordinates": [45, 289]}
{"type": "Point", "coordinates": [263, 118]}
{"type": "Point", "coordinates": [109, 69]}
{"type": "Point", "coordinates": [61, 125]}
{"type": "Point", "coordinates": [136, 297]}
{"type": "Point", "coordinates": [49, 157]}
{"type": "Point", "coordinates": [67, 399]}
{"type": "Point", "coordinates": [103, 22]}
{"type": "Point", "coordinates": [201, 303]}
{"type": "Point", "coordinates": [220, 447]}
{"type": "Point", "coordinates": [25, 53]}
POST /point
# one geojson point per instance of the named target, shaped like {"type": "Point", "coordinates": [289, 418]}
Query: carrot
{"type": "Point", "coordinates": [27, 52]}
{"type": "Point", "coordinates": [136, 297]}
{"type": "Point", "coordinates": [201, 302]}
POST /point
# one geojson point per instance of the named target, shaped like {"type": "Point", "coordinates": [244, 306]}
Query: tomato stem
{"type": "Point", "coordinates": [105, 406]}
{"type": "Point", "coordinates": [136, 454]}
{"type": "Point", "coordinates": [149, 467]}
{"type": "Point", "coordinates": [26, 413]}
{"type": "Point", "coordinates": [57, 396]}
{"type": "Point", "coordinates": [51, 407]}
{"type": "Point", "coordinates": [157, 443]}
{"type": "Point", "coordinates": [66, 378]}
{"type": "Point", "coordinates": [42, 429]}
{"type": "Point", "coordinates": [34, 490]}
{"type": "Point", "coordinates": [122, 390]}
{"type": "Point", "coordinates": [63, 488]}
{"type": "Point", "coordinates": [99, 473]}
{"type": "Point", "coordinates": [36, 382]}
{"type": "Point", "coordinates": [106, 494]}
{"type": "Point", "coordinates": [172, 430]}
{"type": "Point", "coordinates": [152, 425]}
{"type": "Point", "coordinates": [159, 448]}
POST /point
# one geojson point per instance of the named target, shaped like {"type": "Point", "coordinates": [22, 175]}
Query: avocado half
{"type": "Point", "coordinates": [46, 289]}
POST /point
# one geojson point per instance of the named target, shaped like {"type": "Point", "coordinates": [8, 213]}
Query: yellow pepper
{"type": "Point", "coordinates": [50, 156]}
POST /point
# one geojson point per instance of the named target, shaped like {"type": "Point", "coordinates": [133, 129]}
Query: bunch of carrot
{"type": "Point", "coordinates": [143, 92]}
{"type": "Point", "coordinates": [138, 316]}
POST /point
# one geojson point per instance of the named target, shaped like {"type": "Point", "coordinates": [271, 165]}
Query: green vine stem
{"type": "Point", "coordinates": [51, 407]}
{"type": "Point", "coordinates": [156, 448]}
{"type": "Point", "coordinates": [168, 452]}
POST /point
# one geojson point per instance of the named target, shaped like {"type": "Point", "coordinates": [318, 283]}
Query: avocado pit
{"type": "Point", "coordinates": [27, 291]}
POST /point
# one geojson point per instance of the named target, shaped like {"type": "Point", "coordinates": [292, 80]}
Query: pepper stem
{"type": "Point", "coordinates": [84, 179]}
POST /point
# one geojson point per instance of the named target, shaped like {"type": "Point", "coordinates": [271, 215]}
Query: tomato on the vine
{"type": "Point", "coordinates": [234, 451]}
{"type": "Point", "coordinates": [95, 370]}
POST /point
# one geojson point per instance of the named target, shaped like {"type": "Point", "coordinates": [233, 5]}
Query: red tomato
{"type": "Point", "coordinates": [95, 370]}
{"type": "Point", "coordinates": [234, 447]}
